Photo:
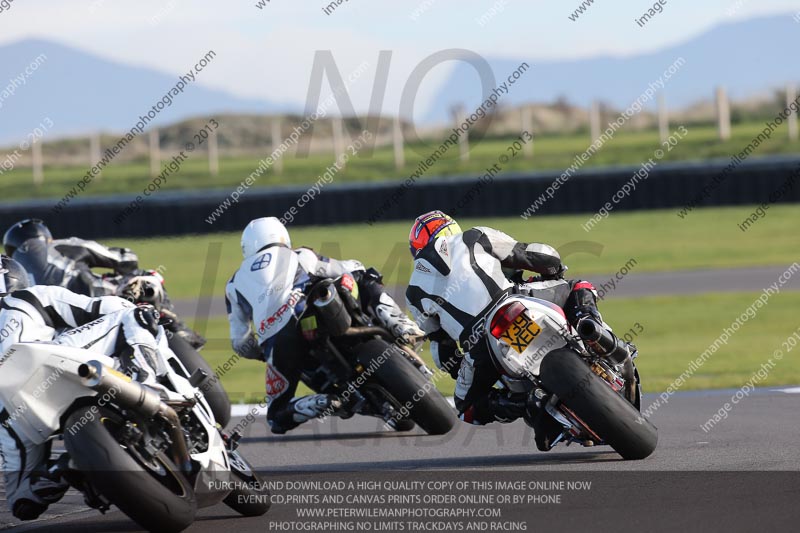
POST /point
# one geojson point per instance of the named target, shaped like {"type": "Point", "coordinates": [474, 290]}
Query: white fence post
{"type": "Point", "coordinates": [94, 153]}
{"type": "Point", "coordinates": [463, 141]}
{"type": "Point", "coordinates": [275, 126]}
{"type": "Point", "coordinates": [38, 165]}
{"type": "Point", "coordinates": [791, 96]}
{"type": "Point", "coordinates": [527, 125]}
{"type": "Point", "coordinates": [663, 119]}
{"type": "Point", "coordinates": [213, 153]}
{"type": "Point", "coordinates": [594, 120]}
{"type": "Point", "coordinates": [723, 114]}
{"type": "Point", "coordinates": [338, 138]}
{"type": "Point", "coordinates": [397, 141]}
{"type": "Point", "coordinates": [155, 153]}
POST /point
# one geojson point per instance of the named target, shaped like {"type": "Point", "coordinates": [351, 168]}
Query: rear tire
{"type": "Point", "coordinates": [211, 387]}
{"type": "Point", "coordinates": [430, 411]}
{"type": "Point", "coordinates": [157, 501]}
{"type": "Point", "coordinates": [608, 414]}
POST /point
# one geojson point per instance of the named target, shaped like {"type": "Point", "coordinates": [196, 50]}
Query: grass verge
{"type": "Point", "coordinates": [657, 240]}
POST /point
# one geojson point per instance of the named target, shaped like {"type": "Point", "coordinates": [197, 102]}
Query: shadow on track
{"type": "Point", "coordinates": [89, 523]}
{"type": "Point", "coordinates": [328, 436]}
{"type": "Point", "coordinates": [448, 463]}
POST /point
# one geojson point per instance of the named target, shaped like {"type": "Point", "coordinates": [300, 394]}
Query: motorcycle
{"type": "Point", "coordinates": [364, 365]}
{"type": "Point", "coordinates": [147, 287]}
{"type": "Point", "coordinates": [595, 398]}
{"type": "Point", "coordinates": [155, 452]}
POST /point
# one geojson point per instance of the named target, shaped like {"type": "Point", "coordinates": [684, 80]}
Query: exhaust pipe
{"type": "Point", "coordinates": [137, 398]}
{"type": "Point", "coordinates": [608, 343]}
{"type": "Point", "coordinates": [127, 393]}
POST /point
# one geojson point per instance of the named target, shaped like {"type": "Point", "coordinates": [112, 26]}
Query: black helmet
{"type": "Point", "coordinates": [30, 228]}
{"type": "Point", "coordinates": [12, 276]}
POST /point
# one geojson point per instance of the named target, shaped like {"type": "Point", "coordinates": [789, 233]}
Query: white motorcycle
{"type": "Point", "coordinates": [155, 452]}
{"type": "Point", "coordinates": [595, 399]}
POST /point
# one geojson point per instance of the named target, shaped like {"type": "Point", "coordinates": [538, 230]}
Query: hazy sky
{"type": "Point", "coordinates": [268, 53]}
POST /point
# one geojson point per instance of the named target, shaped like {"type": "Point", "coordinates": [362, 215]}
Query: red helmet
{"type": "Point", "coordinates": [429, 226]}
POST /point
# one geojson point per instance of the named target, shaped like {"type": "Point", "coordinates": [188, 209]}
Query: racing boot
{"type": "Point", "coordinates": [44, 489]}
{"type": "Point", "coordinates": [497, 406]}
{"type": "Point", "coordinates": [582, 303]}
{"type": "Point", "coordinates": [307, 407]}
{"type": "Point", "coordinates": [396, 321]}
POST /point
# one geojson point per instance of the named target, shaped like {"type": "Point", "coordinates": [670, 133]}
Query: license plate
{"type": "Point", "coordinates": [521, 333]}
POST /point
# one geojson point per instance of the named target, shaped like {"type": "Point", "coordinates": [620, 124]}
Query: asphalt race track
{"type": "Point", "coordinates": [683, 484]}
{"type": "Point", "coordinates": [695, 481]}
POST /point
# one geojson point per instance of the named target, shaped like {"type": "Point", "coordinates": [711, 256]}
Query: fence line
{"type": "Point", "coordinates": [396, 135]}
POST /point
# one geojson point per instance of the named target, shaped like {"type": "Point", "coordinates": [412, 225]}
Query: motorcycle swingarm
{"type": "Point", "coordinates": [571, 423]}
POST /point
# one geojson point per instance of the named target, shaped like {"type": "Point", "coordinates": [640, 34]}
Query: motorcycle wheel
{"type": "Point", "coordinates": [395, 374]}
{"type": "Point", "coordinates": [251, 497]}
{"type": "Point", "coordinates": [610, 416]}
{"type": "Point", "coordinates": [212, 388]}
{"type": "Point", "coordinates": [153, 493]}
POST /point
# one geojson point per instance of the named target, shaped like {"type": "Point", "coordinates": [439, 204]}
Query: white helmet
{"type": "Point", "coordinates": [261, 232]}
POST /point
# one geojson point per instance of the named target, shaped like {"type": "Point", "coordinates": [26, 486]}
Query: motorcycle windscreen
{"type": "Point", "coordinates": [532, 335]}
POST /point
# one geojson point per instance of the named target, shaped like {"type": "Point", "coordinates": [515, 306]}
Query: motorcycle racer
{"type": "Point", "coordinates": [64, 262]}
{"type": "Point", "coordinates": [458, 278]}
{"type": "Point", "coordinates": [264, 298]}
{"type": "Point", "coordinates": [69, 262]}
{"type": "Point", "coordinates": [109, 325]}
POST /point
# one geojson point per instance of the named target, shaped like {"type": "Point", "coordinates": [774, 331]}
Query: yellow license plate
{"type": "Point", "coordinates": [521, 333]}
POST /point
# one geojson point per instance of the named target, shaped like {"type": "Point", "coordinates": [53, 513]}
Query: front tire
{"type": "Point", "coordinates": [157, 497]}
{"type": "Point", "coordinates": [211, 387]}
{"type": "Point", "coordinates": [407, 385]}
{"type": "Point", "coordinates": [617, 422]}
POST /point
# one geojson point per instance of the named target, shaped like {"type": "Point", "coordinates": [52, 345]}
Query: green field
{"type": "Point", "coordinates": [552, 152]}
{"type": "Point", "coordinates": [676, 330]}
{"type": "Point", "coordinates": [657, 240]}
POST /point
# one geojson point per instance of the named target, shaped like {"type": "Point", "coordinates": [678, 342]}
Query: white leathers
{"type": "Point", "coordinates": [263, 294]}
{"type": "Point", "coordinates": [457, 278]}
{"type": "Point", "coordinates": [39, 313]}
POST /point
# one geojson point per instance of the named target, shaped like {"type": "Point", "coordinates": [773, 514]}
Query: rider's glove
{"type": "Point", "coordinates": [373, 274]}
{"type": "Point", "coordinates": [147, 317]}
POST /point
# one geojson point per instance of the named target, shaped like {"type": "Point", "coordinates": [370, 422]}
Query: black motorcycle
{"type": "Point", "coordinates": [371, 372]}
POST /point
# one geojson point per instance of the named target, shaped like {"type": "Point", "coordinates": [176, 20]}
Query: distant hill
{"type": "Point", "coordinates": [746, 57]}
{"type": "Point", "coordinates": [82, 92]}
